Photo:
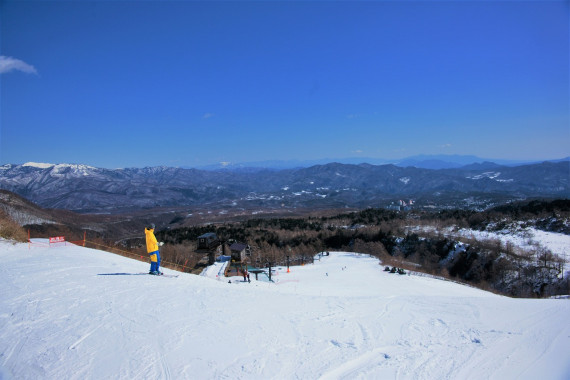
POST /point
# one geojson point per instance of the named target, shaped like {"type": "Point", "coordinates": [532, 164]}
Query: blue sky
{"type": "Point", "coordinates": [190, 83]}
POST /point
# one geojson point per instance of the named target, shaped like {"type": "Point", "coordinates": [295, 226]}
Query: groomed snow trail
{"type": "Point", "coordinates": [76, 313]}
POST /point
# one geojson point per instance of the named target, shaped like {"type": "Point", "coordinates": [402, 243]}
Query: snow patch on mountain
{"type": "Point", "coordinates": [38, 165]}
{"type": "Point", "coordinates": [489, 175]}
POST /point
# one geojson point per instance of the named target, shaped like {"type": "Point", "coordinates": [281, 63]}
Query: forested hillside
{"type": "Point", "coordinates": [427, 242]}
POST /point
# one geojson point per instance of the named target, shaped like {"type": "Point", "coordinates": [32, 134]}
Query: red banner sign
{"type": "Point", "coordinates": [57, 239]}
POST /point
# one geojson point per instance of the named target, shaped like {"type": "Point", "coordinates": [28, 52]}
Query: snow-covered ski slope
{"type": "Point", "coordinates": [77, 313]}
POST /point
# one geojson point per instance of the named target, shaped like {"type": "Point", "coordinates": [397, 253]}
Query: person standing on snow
{"type": "Point", "coordinates": [152, 249]}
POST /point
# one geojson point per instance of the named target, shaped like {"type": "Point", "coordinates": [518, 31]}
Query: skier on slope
{"type": "Point", "coordinates": [152, 249]}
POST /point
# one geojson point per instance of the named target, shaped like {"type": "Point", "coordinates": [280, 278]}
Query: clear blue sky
{"type": "Point", "coordinates": [188, 83]}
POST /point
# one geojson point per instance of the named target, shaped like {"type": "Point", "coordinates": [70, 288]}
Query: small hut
{"type": "Point", "coordinates": [208, 241]}
{"type": "Point", "coordinates": [239, 251]}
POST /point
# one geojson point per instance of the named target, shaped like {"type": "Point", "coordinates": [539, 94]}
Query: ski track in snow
{"type": "Point", "coordinates": [340, 318]}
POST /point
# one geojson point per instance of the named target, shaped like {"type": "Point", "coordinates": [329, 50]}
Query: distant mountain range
{"type": "Point", "coordinates": [335, 185]}
{"type": "Point", "coordinates": [435, 162]}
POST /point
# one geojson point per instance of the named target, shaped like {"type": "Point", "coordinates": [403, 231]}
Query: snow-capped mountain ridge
{"type": "Point", "coordinates": [58, 166]}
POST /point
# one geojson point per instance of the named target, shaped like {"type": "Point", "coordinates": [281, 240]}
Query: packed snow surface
{"type": "Point", "coordinates": [74, 313]}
